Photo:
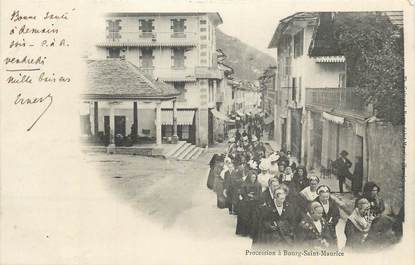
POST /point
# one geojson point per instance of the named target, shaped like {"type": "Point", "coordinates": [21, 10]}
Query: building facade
{"type": "Point", "coordinates": [268, 88]}
{"type": "Point", "coordinates": [296, 72]}
{"type": "Point", "coordinates": [115, 90]}
{"type": "Point", "coordinates": [318, 115]}
{"type": "Point", "coordinates": [177, 48]}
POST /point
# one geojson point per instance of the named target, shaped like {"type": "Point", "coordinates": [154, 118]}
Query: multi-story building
{"type": "Point", "coordinates": [177, 48]}
{"type": "Point", "coordinates": [296, 71]}
{"type": "Point", "coordinates": [247, 97]}
{"type": "Point", "coordinates": [268, 89]}
{"type": "Point", "coordinates": [317, 113]}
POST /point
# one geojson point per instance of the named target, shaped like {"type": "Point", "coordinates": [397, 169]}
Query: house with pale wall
{"type": "Point", "coordinates": [318, 115]}
{"type": "Point", "coordinates": [178, 49]}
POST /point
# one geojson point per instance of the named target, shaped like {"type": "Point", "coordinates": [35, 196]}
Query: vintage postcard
{"type": "Point", "coordinates": [206, 132]}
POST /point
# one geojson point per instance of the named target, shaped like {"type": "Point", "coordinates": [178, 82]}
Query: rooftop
{"type": "Point", "coordinates": [120, 79]}
{"type": "Point", "coordinates": [284, 23]}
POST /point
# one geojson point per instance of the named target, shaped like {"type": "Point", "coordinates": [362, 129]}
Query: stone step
{"type": "Point", "coordinates": [197, 154]}
{"type": "Point", "coordinates": [176, 148]}
{"type": "Point", "coordinates": [190, 154]}
{"type": "Point", "coordinates": [179, 150]}
{"type": "Point", "coordinates": [186, 152]}
{"type": "Point", "coordinates": [182, 150]}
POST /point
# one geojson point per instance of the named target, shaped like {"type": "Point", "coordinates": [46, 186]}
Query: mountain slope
{"type": "Point", "coordinates": [247, 62]}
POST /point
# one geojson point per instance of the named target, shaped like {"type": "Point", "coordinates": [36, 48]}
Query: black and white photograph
{"type": "Point", "coordinates": [206, 132]}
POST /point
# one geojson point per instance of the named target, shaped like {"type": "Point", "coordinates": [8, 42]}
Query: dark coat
{"type": "Point", "coordinates": [298, 182]}
{"type": "Point", "coordinates": [331, 217]}
{"type": "Point", "coordinates": [357, 177]}
{"type": "Point", "coordinates": [232, 183]}
{"type": "Point", "coordinates": [211, 177]}
{"type": "Point", "coordinates": [355, 239]}
{"type": "Point", "coordinates": [377, 206]}
{"type": "Point", "coordinates": [266, 198]}
{"type": "Point", "coordinates": [276, 229]}
{"type": "Point", "coordinates": [308, 236]}
{"type": "Point", "coordinates": [218, 187]}
{"type": "Point", "coordinates": [381, 234]}
{"type": "Point", "coordinates": [251, 195]}
{"type": "Point", "coordinates": [341, 166]}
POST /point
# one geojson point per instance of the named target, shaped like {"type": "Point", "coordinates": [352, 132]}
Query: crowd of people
{"type": "Point", "coordinates": [279, 204]}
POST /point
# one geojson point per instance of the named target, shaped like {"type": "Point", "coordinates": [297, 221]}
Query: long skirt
{"type": "Point", "coordinates": [221, 199]}
{"type": "Point", "coordinates": [267, 238]}
{"type": "Point", "coordinates": [211, 178]}
{"type": "Point", "coordinates": [245, 219]}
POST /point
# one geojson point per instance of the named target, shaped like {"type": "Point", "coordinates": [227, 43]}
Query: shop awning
{"type": "Point", "coordinates": [239, 113]}
{"type": "Point", "coordinates": [330, 59]}
{"type": "Point", "coordinates": [184, 117]}
{"type": "Point", "coordinates": [268, 120]}
{"type": "Point", "coordinates": [220, 116]}
{"type": "Point", "coordinates": [333, 118]}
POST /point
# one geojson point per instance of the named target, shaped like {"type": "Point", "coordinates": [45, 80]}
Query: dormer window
{"type": "Point", "coordinates": [178, 27]}
{"type": "Point", "coordinates": [146, 27]}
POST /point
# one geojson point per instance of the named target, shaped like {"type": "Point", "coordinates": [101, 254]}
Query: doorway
{"type": "Point", "coordinates": [119, 124]}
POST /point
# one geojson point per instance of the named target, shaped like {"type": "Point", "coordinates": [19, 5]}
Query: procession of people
{"type": "Point", "coordinates": [279, 204]}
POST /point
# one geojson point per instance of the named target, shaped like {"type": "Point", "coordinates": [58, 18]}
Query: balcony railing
{"type": "Point", "coordinates": [138, 38]}
{"type": "Point", "coordinates": [181, 74]}
{"type": "Point", "coordinates": [338, 99]}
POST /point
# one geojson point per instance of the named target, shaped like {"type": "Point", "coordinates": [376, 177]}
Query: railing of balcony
{"type": "Point", "coordinates": [138, 36]}
{"type": "Point", "coordinates": [341, 99]}
{"type": "Point", "coordinates": [175, 74]}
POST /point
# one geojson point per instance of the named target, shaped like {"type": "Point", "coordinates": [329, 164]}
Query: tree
{"type": "Point", "coordinates": [373, 48]}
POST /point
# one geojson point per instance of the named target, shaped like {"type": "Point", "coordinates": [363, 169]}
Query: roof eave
{"type": "Point", "coordinates": [126, 96]}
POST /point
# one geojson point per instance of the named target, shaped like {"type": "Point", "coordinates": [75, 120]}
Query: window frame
{"type": "Point", "coordinates": [299, 44]}
{"type": "Point", "coordinates": [174, 58]}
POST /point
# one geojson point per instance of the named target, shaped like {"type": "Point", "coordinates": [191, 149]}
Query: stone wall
{"type": "Point", "coordinates": [386, 162]}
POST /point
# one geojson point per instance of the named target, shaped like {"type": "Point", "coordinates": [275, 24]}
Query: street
{"type": "Point", "coordinates": [174, 193]}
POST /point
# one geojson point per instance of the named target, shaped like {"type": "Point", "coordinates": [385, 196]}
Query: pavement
{"type": "Point", "coordinates": [174, 194]}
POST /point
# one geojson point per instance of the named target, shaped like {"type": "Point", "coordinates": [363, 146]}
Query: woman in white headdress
{"type": "Point", "coordinates": [264, 176]}
{"type": "Point", "coordinates": [309, 193]}
{"type": "Point", "coordinates": [273, 167]}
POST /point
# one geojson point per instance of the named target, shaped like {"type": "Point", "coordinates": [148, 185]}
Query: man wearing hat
{"type": "Point", "coordinates": [341, 167]}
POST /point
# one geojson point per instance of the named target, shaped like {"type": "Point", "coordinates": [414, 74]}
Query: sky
{"type": "Point", "coordinates": [254, 28]}
{"type": "Point", "coordinates": [253, 22]}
